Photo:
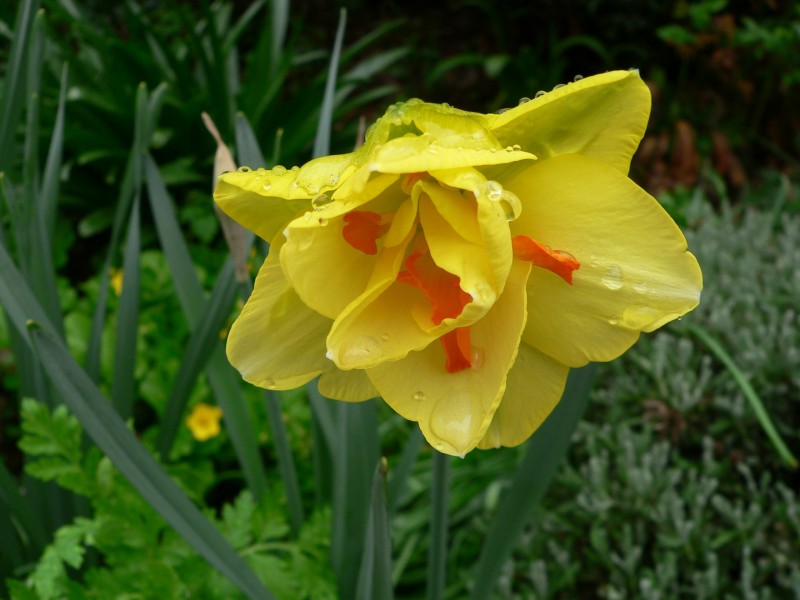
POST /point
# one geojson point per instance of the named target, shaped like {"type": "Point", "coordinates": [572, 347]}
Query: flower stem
{"type": "Point", "coordinates": [437, 551]}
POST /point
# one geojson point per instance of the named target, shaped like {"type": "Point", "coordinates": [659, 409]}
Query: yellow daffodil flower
{"type": "Point", "coordinates": [458, 264]}
{"type": "Point", "coordinates": [204, 421]}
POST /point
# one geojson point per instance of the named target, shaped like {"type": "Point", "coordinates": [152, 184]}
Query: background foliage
{"type": "Point", "coordinates": [671, 488]}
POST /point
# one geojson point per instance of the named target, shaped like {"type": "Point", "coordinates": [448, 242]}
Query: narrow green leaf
{"type": "Point", "coordinates": [48, 198]}
{"type": "Point", "coordinates": [18, 508]}
{"type": "Point", "coordinates": [437, 550]}
{"type": "Point", "coordinates": [400, 473]}
{"type": "Point", "coordinates": [279, 22]}
{"type": "Point", "coordinates": [545, 451]}
{"type": "Point", "coordinates": [375, 575]}
{"type": "Point", "coordinates": [749, 393]}
{"type": "Point", "coordinates": [322, 141]}
{"type": "Point", "coordinates": [102, 423]}
{"type": "Point", "coordinates": [286, 466]}
{"type": "Point", "coordinates": [224, 381]}
{"type": "Point", "coordinates": [201, 343]}
{"type": "Point", "coordinates": [123, 387]}
{"type": "Point", "coordinates": [129, 456]}
{"type": "Point", "coordinates": [248, 151]}
{"type": "Point", "coordinates": [15, 89]}
{"type": "Point", "coordinates": [356, 455]}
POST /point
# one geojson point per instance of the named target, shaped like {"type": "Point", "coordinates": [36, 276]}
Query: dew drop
{"type": "Point", "coordinates": [267, 185]}
{"type": "Point", "coordinates": [329, 355]}
{"type": "Point", "coordinates": [516, 147]}
{"type": "Point", "coordinates": [540, 93]}
{"type": "Point", "coordinates": [478, 358]}
{"type": "Point", "coordinates": [307, 217]}
{"type": "Point", "coordinates": [295, 168]}
{"type": "Point", "coordinates": [511, 205]}
{"type": "Point", "coordinates": [613, 320]}
{"type": "Point", "coordinates": [509, 148]}
{"type": "Point", "coordinates": [563, 254]}
{"type": "Point", "coordinates": [322, 221]}
{"type": "Point", "coordinates": [361, 349]}
{"type": "Point", "coordinates": [524, 99]}
{"type": "Point", "coordinates": [295, 185]}
{"type": "Point", "coordinates": [244, 169]}
{"type": "Point", "coordinates": [279, 170]}
{"type": "Point", "coordinates": [560, 85]}
{"type": "Point", "coordinates": [502, 110]}
{"type": "Point", "coordinates": [320, 201]}
{"type": "Point", "coordinates": [419, 396]}
{"type": "Point", "coordinates": [493, 191]}
{"type": "Point", "coordinates": [333, 180]}
{"type": "Point", "coordinates": [613, 278]}
{"type": "Point", "coordinates": [578, 78]}
{"type": "Point", "coordinates": [270, 384]}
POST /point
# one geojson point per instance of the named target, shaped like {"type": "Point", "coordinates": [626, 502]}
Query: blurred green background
{"type": "Point", "coordinates": [671, 488]}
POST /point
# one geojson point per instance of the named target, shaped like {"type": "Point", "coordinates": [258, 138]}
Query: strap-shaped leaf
{"type": "Point", "coordinates": [102, 423]}
{"type": "Point", "coordinates": [546, 449]}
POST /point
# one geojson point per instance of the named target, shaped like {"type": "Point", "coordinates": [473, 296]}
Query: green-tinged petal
{"type": "Point", "coordinates": [533, 388]}
{"type": "Point", "coordinates": [414, 154]}
{"type": "Point", "coordinates": [454, 410]}
{"type": "Point", "coordinates": [264, 201]}
{"type": "Point", "coordinates": [602, 117]}
{"type": "Point", "coordinates": [348, 386]}
{"type": "Point", "coordinates": [277, 342]}
{"type": "Point", "coordinates": [635, 272]}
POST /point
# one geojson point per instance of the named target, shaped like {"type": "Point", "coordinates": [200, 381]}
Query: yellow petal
{"type": "Point", "coordinates": [602, 117]}
{"type": "Point", "coordinates": [426, 153]}
{"type": "Point", "coordinates": [348, 386]}
{"type": "Point", "coordinates": [534, 386]}
{"type": "Point", "coordinates": [635, 273]}
{"type": "Point", "coordinates": [264, 201]}
{"type": "Point", "coordinates": [277, 342]}
{"type": "Point", "coordinates": [455, 409]}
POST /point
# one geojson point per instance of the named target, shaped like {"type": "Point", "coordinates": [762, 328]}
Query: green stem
{"type": "Point", "coordinates": [437, 551]}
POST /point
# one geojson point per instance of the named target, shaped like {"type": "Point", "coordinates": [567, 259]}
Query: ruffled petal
{"type": "Point", "coordinates": [602, 117]}
{"type": "Point", "coordinates": [533, 388]}
{"type": "Point", "coordinates": [635, 272]}
{"type": "Point", "coordinates": [277, 342]}
{"type": "Point", "coordinates": [264, 201]}
{"type": "Point", "coordinates": [455, 409]}
{"type": "Point", "coordinates": [348, 386]}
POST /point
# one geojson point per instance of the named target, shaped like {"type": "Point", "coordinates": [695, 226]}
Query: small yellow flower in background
{"type": "Point", "coordinates": [115, 277]}
{"type": "Point", "coordinates": [458, 264]}
{"type": "Point", "coordinates": [204, 421]}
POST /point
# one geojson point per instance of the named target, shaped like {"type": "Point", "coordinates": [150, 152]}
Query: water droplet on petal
{"type": "Point", "coordinates": [563, 254]}
{"type": "Point", "coordinates": [613, 278]}
{"type": "Point", "coordinates": [279, 170]}
{"type": "Point", "coordinates": [509, 149]}
{"type": "Point", "coordinates": [560, 85]}
{"type": "Point", "coordinates": [511, 205]}
{"type": "Point", "coordinates": [516, 147]}
{"type": "Point", "coordinates": [493, 191]}
{"type": "Point", "coordinates": [540, 93]}
{"type": "Point", "coordinates": [320, 201]}
{"type": "Point", "coordinates": [266, 185]}
{"type": "Point", "coordinates": [360, 350]}
{"type": "Point", "coordinates": [307, 217]}
{"type": "Point", "coordinates": [295, 168]}
{"type": "Point", "coordinates": [478, 358]}
{"type": "Point", "coordinates": [270, 384]}
{"type": "Point", "coordinates": [524, 99]}
{"type": "Point", "coordinates": [613, 320]}
{"type": "Point", "coordinates": [502, 110]}
{"type": "Point", "coordinates": [578, 77]}
{"type": "Point", "coordinates": [244, 169]}
{"type": "Point", "coordinates": [322, 221]}
{"type": "Point", "coordinates": [419, 396]}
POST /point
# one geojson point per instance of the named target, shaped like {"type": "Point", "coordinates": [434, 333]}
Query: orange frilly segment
{"type": "Point", "coordinates": [363, 228]}
{"type": "Point", "coordinates": [560, 262]}
{"type": "Point", "coordinates": [447, 300]}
